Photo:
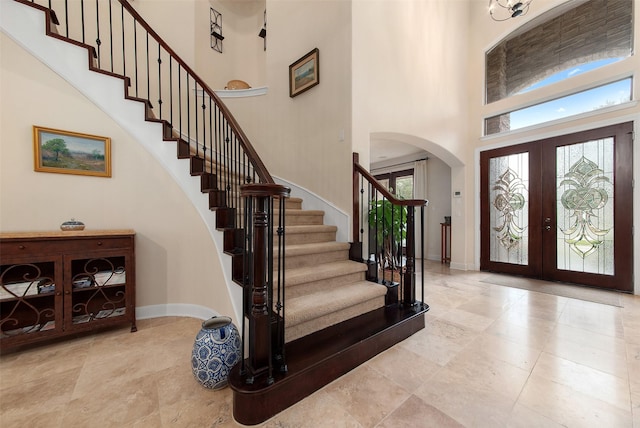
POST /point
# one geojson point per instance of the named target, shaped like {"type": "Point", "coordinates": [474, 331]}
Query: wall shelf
{"type": "Point", "coordinates": [241, 93]}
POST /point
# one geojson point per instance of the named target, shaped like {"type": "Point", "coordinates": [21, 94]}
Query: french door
{"type": "Point", "coordinates": [561, 208]}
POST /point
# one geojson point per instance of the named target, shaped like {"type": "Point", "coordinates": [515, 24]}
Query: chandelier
{"type": "Point", "coordinates": [501, 10]}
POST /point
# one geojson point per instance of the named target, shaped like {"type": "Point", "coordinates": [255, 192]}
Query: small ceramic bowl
{"type": "Point", "coordinates": [72, 225]}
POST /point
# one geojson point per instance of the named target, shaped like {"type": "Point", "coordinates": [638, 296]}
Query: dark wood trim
{"type": "Point", "coordinates": [317, 359]}
{"type": "Point", "coordinates": [534, 266]}
{"type": "Point", "coordinates": [621, 280]}
{"type": "Point", "coordinates": [542, 205]}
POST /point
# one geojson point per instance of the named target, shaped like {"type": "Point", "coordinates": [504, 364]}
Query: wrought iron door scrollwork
{"type": "Point", "coordinates": [98, 282]}
{"type": "Point", "coordinates": [19, 284]}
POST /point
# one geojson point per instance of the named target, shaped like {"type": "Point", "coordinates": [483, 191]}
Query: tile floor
{"type": "Point", "coordinates": [490, 356]}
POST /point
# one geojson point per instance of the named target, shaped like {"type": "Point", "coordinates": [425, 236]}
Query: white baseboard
{"type": "Point", "coordinates": [175, 310]}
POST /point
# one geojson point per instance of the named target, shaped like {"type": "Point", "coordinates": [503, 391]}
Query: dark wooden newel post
{"type": "Point", "coordinates": [259, 317]}
{"type": "Point", "coordinates": [259, 199]}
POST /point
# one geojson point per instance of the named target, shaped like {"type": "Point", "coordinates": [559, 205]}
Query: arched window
{"type": "Point", "coordinates": [591, 35]}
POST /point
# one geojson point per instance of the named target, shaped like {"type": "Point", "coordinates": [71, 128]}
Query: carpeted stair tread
{"type": "Point", "coordinates": [322, 272]}
{"type": "Point", "coordinates": [321, 304]}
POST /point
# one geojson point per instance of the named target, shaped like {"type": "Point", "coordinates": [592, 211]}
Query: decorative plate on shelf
{"type": "Point", "coordinates": [237, 84]}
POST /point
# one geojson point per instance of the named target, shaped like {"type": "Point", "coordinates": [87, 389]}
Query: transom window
{"type": "Point", "coordinates": [580, 102]}
{"type": "Point", "coordinates": [590, 36]}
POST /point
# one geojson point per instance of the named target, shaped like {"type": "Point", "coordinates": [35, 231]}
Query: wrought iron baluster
{"type": "Point", "coordinates": [195, 113]}
{"type": "Point", "coordinates": [111, 37]}
{"type": "Point", "coordinates": [148, 75]}
{"type": "Point", "coordinates": [135, 54]}
{"type": "Point", "coordinates": [159, 83]}
{"type": "Point", "coordinates": [211, 135]}
{"type": "Point", "coordinates": [189, 115]}
{"type": "Point", "coordinates": [98, 41]}
{"type": "Point", "coordinates": [204, 130]}
{"type": "Point", "coordinates": [180, 99]}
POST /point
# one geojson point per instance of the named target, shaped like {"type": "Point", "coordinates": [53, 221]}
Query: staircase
{"type": "Point", "coordinates": [336, 317]}
{"type": "Point", "coordinates": [323, 287]}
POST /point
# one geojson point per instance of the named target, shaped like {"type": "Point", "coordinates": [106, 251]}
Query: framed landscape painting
{"type": "Point", "coordinates": [68, 152]}
{"type": "Point", "coordinates": [304, 74]}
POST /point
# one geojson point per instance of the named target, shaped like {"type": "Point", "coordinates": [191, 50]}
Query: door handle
{"type": "Point", "coordinates": [547, 223]}
{"type": "Point", "coordinates": [547, 227]}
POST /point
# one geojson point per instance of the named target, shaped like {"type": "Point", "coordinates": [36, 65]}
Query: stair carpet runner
{"type": "Point", "coordinates": [323, 287]}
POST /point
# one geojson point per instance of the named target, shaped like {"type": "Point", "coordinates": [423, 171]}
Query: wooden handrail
{"type": "Point", "coordinates": [388, 195]}
{"type": "Point", "coordinates": [389, 250]}
{"type": "Point", "coordinates": [264, 190]}
{"type": "Point", "coordinates": [358, 169]}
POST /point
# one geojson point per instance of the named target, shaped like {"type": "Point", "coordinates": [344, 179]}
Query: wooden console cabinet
{"type": "Point", "coordinates": [54, 284]}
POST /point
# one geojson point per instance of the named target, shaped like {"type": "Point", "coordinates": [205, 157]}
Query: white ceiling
{"type": "Point", "coordinates": [386, 152]}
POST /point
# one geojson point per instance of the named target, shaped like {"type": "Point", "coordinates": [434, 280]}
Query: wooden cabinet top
{"type": "Point", "coordinates": [59, 234]}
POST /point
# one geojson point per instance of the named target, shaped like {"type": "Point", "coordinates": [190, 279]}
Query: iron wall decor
{"type": "Point", "coordinates": [215, 22]}
{"type": "Point", "coordinates": [304, 74]}
{"type": "Point", "coordinates": [68, 152]}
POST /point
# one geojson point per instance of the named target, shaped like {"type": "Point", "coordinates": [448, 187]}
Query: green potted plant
{"type": "Point", "coordinates": [388, 222]}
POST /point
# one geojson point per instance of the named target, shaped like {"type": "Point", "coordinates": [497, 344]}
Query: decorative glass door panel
{"type": "Point", "coordinates": [561, 208]}
{"type": "Point", "coordinates": [509, 211]}
{"type": "Point", "coordinates": [508, 188]}
{"type": "Point", "coordinates": [584, 207]}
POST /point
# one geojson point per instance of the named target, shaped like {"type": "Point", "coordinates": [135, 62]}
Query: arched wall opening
{"type": "Point", "coordinates": [392, 151]}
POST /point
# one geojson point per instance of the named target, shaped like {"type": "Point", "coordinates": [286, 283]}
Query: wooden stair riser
{"type": "Point", "coordinates": [226, 218]}
{"type": "Point", "coordinates": [321, 285]}
{"type": "Point", "coordinates": [297, 331]}
{"type": "Point", "coordinates": [301, 238]}
{"type": "Point", "coordinates": [292, 218]}
{"type": "Point", "coordinates": [293, 204]}
{"type": "Point", "coordinates": [301, 217]}
{"type": "Point", "coordinates": [233, 240]}
{"type": "Point", "coordinates": [308, 260]}
{"type": "Point", "coordinates": [208, 182]}
{"type": "Point", "coordinates": [237, 268]}
{"type": "Point", "coordinates": [201, 166]}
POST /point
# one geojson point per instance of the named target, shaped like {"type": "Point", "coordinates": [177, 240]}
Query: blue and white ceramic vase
{"type": "Point", "coordinates": [215, 351]}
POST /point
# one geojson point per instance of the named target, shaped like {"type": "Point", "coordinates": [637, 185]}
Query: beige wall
{"type": "Point", "coordinates": [299, 138]}
{"type": "Point", "coordinates": [409, 74]}
{"type": "Point", "coordinates": [184, 25]}
{"type": "Point", "coordinates": [174, 21]}
{"type": "Point", "coordinates": [176, 259]}
{"type": "Point", "coordinates": [409, 69]}
{"type": "Point", "coordinates": [243, 55]}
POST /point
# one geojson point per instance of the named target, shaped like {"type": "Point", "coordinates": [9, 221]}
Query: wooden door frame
{"type": "Point", "coordinates": [622, 279]}
{"type": "Point", "coordinates": [534, 268]}
{"type": "Point", "coordinates": [545, 266]}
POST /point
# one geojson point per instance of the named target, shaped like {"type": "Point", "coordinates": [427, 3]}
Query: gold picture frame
{"type": "Point", "coordinates": [66, 152]}
{"type": "Point", "coordinates": [304, 74]}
